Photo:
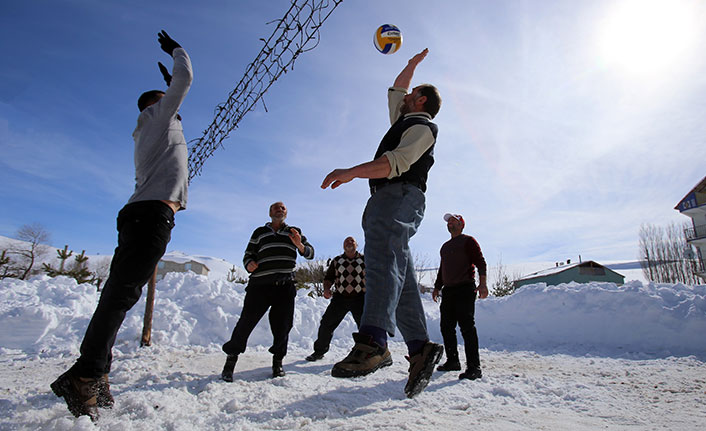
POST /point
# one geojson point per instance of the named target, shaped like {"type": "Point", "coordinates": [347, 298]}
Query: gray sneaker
{"type": "Point", "coordinates": [421, 367]}
{"type": "Point", "coordinates": [366, 357]}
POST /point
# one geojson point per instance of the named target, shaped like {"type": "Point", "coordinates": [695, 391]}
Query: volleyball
{"type": "Point", "coordinates": [387, 39]}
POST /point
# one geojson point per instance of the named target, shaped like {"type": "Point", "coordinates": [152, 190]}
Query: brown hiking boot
{"type": "Point", "coordinates": [227, 373]}
{"type": "Point", "coordinates": [104, 399]}
{"type": "Point", "coordinates": [80, 394]}
{"type": "Point", "coordinates": [365, 358]}
{"type": "Point", "coordinates": [421, 366]}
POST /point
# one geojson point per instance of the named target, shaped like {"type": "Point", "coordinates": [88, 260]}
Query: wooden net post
{"type": "Point", "coordinates": [149, 309]}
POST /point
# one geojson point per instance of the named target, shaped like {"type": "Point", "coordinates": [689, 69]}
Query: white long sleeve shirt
{"type": "Point", "coordinates": [161, 157]}
{"type": "Point", "coordinates": [415, 141]}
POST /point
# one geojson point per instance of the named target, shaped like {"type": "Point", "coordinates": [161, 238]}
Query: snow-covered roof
{"type": "Point", "coordinates": [562, 268]}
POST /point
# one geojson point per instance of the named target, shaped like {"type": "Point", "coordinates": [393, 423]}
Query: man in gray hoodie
{"type": "Point", "coordinates": [144, 230]}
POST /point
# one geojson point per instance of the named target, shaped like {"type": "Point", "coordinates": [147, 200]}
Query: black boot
{"type": "Point", "coordinates": [315, 356]}
{"type": "Point", "coordinates": [452, 363]}
{"type": "Point", "coordinates": [277, 370]}
{"type": "Point", "coordinates": [227, 373]}
{"type": "Point", "coordinates": [471, 373]}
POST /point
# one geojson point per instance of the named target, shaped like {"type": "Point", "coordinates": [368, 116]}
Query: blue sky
{"type": "Point", "coordinates": [564, 126]}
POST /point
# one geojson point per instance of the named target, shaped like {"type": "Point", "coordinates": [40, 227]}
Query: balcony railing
{"type": "Point", "coordinates": [697, 232]}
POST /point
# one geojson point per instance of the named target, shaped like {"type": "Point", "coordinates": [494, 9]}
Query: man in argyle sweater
{"type": "Point", "coordinates": [347, 273]}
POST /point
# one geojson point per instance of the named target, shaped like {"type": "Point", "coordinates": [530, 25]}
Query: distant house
{"type": "Point", "coordinates": [582, 272]}
{"type": "Point", "coordinates": [165, 266]}
{"type": "Point", "coordinates": [693, 205]}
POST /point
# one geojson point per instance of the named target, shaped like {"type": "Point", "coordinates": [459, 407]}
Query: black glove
{"type": "Point", "coordinates": [165, 73]}
{"type": "Point", "coordinates": [167, 44]}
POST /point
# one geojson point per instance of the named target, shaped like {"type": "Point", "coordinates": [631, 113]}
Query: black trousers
{"type": "Point", "coordinates": [335, 313]}
{"type": "Point", "coordinates": [279, 299]}
{"type": "Point", "coordinates": [458, 306]}
{"type": "Point", "coordinates": [144, 230]}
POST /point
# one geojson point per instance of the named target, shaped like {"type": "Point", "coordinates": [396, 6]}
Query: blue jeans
{"type": "Point", "coordinates": [391, 217]}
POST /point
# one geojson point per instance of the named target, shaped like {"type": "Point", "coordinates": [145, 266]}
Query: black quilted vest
{"type": "Point", "coordinates": [417, 173]}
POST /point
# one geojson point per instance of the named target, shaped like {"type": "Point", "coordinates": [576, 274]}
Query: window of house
{"type": "Point", "coordinates": [187, 266]}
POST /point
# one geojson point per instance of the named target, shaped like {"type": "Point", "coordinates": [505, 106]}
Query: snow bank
{"type": "Point", "coordinates": [653, 320]}
{"type": "Point", "coordinates": [46, 316]}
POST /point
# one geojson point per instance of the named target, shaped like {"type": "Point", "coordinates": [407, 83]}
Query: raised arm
{"type": "Point", "coordinates": [404, 79]}
{"type": "Point", "coordinates": [378, 168]}
{"type": "Point", "coordinates": [182, 75]}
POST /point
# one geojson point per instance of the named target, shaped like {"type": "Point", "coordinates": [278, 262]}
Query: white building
{"type": "Point", "coordinates": [693, 205]}
{"type": "Point", "coordinates": [180, 265]}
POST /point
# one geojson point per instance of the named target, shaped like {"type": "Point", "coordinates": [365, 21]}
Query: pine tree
{"type": "Point", "coordinates": [504, 284]}
{"type": "Point", "coordinates": [63, 255]}
{"type": "Point", "coordinates": [80, 270]}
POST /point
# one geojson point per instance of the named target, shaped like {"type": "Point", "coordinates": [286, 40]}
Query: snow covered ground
{"type": "Point", "coordinates": [575, 356]}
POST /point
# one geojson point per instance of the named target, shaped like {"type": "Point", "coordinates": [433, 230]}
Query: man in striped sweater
{"type": "Point", "coordinates": [270, 258]}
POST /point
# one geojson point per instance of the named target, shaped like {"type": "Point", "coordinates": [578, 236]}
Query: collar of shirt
{"type": "Point", "coordinates": [418, 114]}
{"type": "Point", "coordinates": [284, 226]}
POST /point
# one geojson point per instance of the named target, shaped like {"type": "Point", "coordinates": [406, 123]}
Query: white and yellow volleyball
{"type": "Point", "coordinates": [387, 39]}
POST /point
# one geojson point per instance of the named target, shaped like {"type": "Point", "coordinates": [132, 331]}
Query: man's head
{"type": "Point", "coordinates": [350, 246]}
{"type": "Point", "coordinates": [278, 212]}
{"type": "Point", "coordinates": [149, 98]}
{"type": "Point", "coordinates": [423, 98]}
{"type": "Point", "coordinates": [454, 223]}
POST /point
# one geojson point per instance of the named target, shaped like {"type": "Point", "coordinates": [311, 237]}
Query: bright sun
{"type": "Point", "coordinates": [648, 38]}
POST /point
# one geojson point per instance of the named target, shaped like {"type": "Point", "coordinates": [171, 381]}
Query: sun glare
{"type": "Point", "coordinates": [648, 38]}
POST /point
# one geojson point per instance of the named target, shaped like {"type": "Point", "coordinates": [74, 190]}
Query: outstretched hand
{"type": "Point", "coordinates": [165, 73]}
{"type": "Point", "coordinates": [414, 61]}
{"type": "Point", "coordinates": [167, 44]}
{"type": "Point", "coordinates": [337, 177]}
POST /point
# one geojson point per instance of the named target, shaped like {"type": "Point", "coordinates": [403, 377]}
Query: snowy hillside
{"type": "Point", "coordinates": [579, 356]}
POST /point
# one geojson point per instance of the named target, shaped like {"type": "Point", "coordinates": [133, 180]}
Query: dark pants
{"type": "Point", "coordinates": [458, 306]}
{"type": "Point", "coordinates": [144, 230]}
{"type": "Point", "coordinates": [279, 298]}
{"type": "Point", "coordinates": [336, 311]}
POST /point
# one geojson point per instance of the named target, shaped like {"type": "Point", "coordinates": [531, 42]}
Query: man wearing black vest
{"type": "Point", "coordinates": [456, 281]}
{"type": "Point", "coordinates": [346, 274]}
{"type": "Point", "coordinates": [398, 176]}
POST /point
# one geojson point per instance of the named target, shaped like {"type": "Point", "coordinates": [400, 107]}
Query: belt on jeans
{"type": "Point", "coordinates": [375, 188]}
{"type": "Point", "coordinates": [284, 281]}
